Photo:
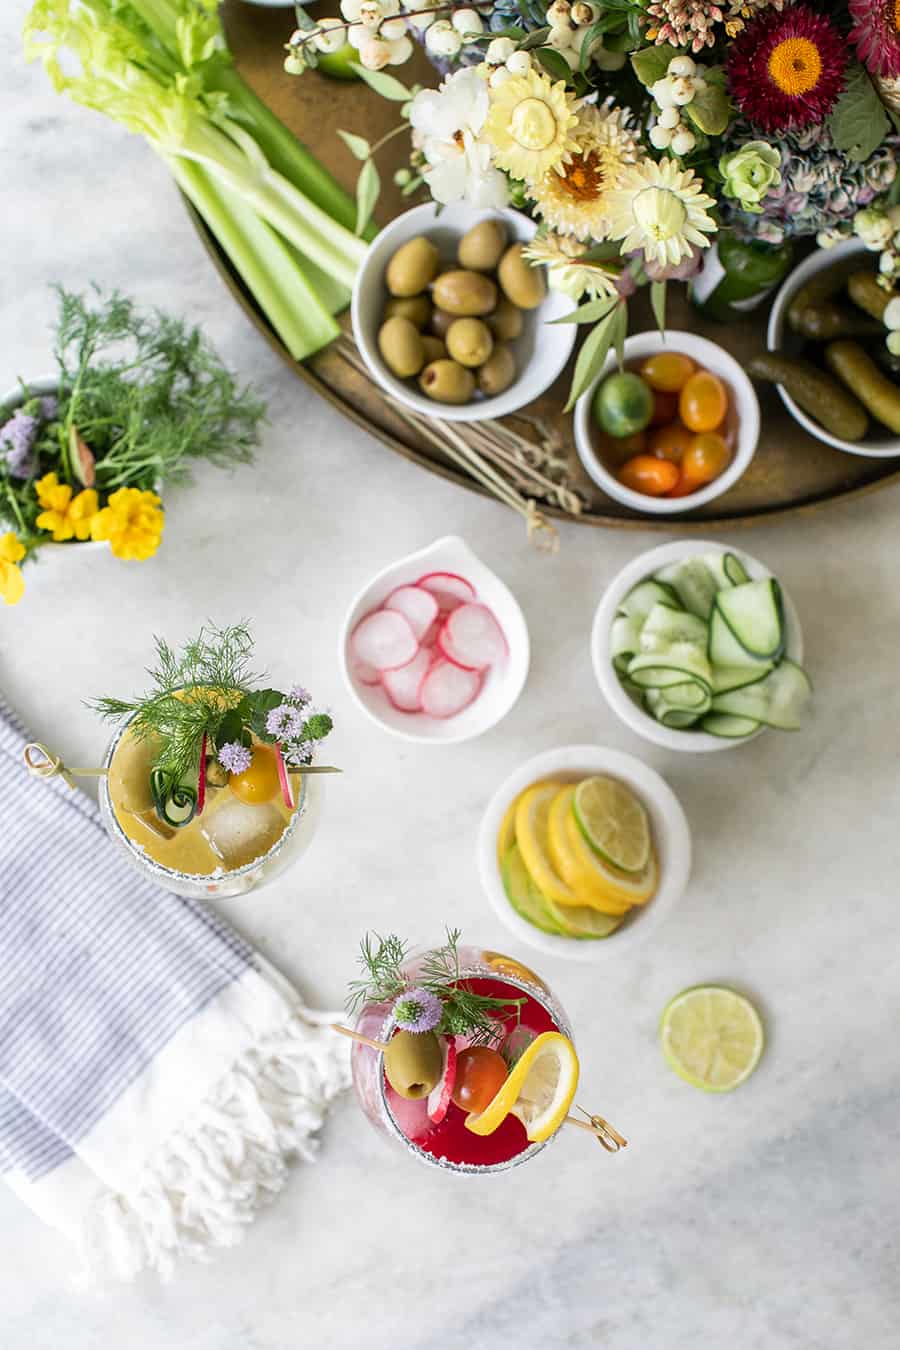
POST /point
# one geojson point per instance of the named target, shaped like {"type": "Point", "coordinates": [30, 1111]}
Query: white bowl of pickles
{"type": "Point", "coordinates": [697, 646]}
{"type": "Point", "coordinates": [451, 321]}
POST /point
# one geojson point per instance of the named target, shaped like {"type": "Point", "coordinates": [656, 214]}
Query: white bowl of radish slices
{"type": "Point", "coordinates": [435, 647]}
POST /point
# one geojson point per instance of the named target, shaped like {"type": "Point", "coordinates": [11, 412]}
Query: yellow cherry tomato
{"type": "Point", "coordinates": [705, 458]}
{"type": "Point", "coordinates": [667, 371]}
{"type": "Point", "coordinates": [645, 473]}
{"type": "Point", "coordinates": [703, 402]}
{"type": "Point", "coordinates": [259, 783]}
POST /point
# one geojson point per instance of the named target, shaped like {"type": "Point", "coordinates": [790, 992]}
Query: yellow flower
{"type": "Point", "coordinates": [67, 517]}
{"type": "Point", "coordinates": [566, 272]}
{"type": "Point", "coordinates": [12, 551]}
{"type": "Point", "coordinates": [530, 125]}
{"type": "Point", "coordinates": [132, 521]}
{"type": "Point", "coordinates": [661, 209]}
{"type": "Point", "coordinates": [573, 197]}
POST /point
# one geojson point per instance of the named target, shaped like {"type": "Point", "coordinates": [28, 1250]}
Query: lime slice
{"type": "Point", "coordinates": [568, 850]}
{"type": "Point", "coordinates": [628, 888]}
{"type": "Point", "coordinates": [582, 921]}
{"type": "Point", "coordinates": [712, 1037]}
{"type": "Point", "coordinates": [506, 835]}
{"type": "Point", "coordinates": [523, 895]}
{"type": "Point", "coordinates": [539, 1090]}
{"type": "Point", "coordinates": [613, 821]}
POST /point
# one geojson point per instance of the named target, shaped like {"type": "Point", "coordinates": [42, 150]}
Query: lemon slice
{"type": "Point", "coordinates": [712, 1037]}
{"type": "Point", "coordinates": [614, 822]}
{"type": "Point", "coordinates": [532, 836]}
{"type": "Point", "coordinates": [506, 835]}
{"type": "Point", "coordinates": [539, 1090]}
{"type": "Point", "coordinates": [628, 888]}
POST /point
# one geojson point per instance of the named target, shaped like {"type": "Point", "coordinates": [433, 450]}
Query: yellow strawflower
{"type": "Point", "coordinates": [12, 551]}
{"type": "Point", "coordinates": [133, 523]}
{"type": "Point", "coordinates": [530, 125]}
{"type": "Point", "coordinates": [65, 516]}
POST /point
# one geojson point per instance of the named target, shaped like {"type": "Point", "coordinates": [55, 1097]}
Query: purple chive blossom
{"type": "Point", "coordinates": [299, 695]}
{"type": "Point", "coordinates": [17, 439]}
{"type": "Point", "coordinates": [49, 407]}
{"type": "Point", "coordinates": [284, 722]}
{"type": "Point", "coordinates": [299, 754]}
{"type": "Point", "coordinates": [234, 757]}
{"type": "Point", "coordinates": [418, 1010]}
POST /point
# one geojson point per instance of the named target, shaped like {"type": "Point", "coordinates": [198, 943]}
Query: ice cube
{"type": "Point", "coordinates": [238, 833]}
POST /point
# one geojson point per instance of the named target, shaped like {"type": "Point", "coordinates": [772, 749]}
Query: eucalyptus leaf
{"type": "Point", "coordinates": [535, 39]}
{"type": "Point", "coordinates": [603, 252]}
{"type": "Point", "coordinates": [357, 145]}
{"type": "Point", "coordinates": [709, 109]}
{"type": "Point", "coordinates": [858, 121]}
{"type": "Point", "coordinates": [658, 303]}
{"type": "Point", "coordinates": [368, 186]}
{"type": "Point", "coordinates": [620, 332]}
{"type": "Point", "coordinates": [554, 63]}
{"type": "Point", "coordinates": [385, 85]}
{"type": "Point", "coordinates": [304, 21]}
{"type": "Point", "coordinates": [594, 351]}
{"type": "Point", "coordinates": [593, 311]}
{"type": "Point", "coordinates": [651, 64]}
{"type": "Point", "coordinates": [591, 36]}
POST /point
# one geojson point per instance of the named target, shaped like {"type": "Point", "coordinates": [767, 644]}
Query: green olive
{"type": "Point", "coordinates": [469, 342]}
{"type": "Point", "coordinates": [434, 349]}
{"type": "Point", "coordinates": [413, 1063]}
{"type": "Point", "coordinates": [447, 382]}
{"type": "Point", "coordinates": [481, 248]}
{"type": "Point", "coordinates": [412, 267]}
{"type": "Point", "coordinates": [506, 322]}
{"type": "Point", "coordinates": [465, 293]}
{"type": "Point", "coordinates": [400, 344]}
{"type": "Point", "coordinates": [520, 282]}
{"type": "Point", "coordinates": [416, 308]}
{"type": "Point", "coordinates": [498, 371]}
{"type": "Point", "coordinates": [440, 322]}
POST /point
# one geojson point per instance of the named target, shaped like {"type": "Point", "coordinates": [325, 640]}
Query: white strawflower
{"type": "Point", "coordinates": [662, 209]}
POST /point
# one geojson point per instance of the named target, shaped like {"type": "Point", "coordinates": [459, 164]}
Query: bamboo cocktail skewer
{"type": "Point", "coordinates": [43, 763]}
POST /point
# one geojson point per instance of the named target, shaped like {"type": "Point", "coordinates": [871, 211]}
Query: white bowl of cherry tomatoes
{"type": "Point", "coordinates": [672, 430]}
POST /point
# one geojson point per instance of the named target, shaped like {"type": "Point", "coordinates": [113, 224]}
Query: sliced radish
{"type": "Point", "coordinates": [365, 674]}
{"type": "Point", "coordinates": [447, 689]}
{"type": "Point", "coordinates": [429, 639]}
{"type": "Point", "coordinates": [471, 637]}
{"type": "Point", "coordinates": [438, 1103]}
{"type": "Point", "coordinates": [449, 589]}
{"type": "Point", "coordinates": [418, 606]}
{"type": "Point", "coordinates": [384, 640]}
{"type": "Point", "coordinates": [404, 686]}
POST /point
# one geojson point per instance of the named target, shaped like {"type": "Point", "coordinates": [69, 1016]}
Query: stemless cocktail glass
{"type": "Point", "coordinates": [450, 1145]}
{"type": "Point", "coordinates": [283, 841]}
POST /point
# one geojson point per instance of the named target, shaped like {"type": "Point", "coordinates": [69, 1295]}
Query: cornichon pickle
{"type": "Point", "coordinates": [815, 392]}
{"type": "Point", "coordinates": [859, 372]}
{"type": "Point", "coordinates": [829, 320]}
{"type": "Point", "coordinates": [865, 292]}
{"type": "Point", "coordinates": [822, 286]}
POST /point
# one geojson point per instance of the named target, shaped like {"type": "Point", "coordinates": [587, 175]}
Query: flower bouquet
{"type": "Point", "coordinates": [135, 399]}
{"type": "Point", "coordinates": [670, 140]}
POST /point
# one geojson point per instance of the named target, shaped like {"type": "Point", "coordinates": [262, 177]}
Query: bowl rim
{"type": "Point", "coordinates": [500, 405]}
{"type": "Point", "coordinates": [516, 674]}
{"type": "Point", "coordinates": [640, 567]}
{"type": "Point", "coordinates": [664, 809]}
{"type": "Point", "coordinates": [816, 261]}
{"type": "Point", "coordinates": [748, 431]}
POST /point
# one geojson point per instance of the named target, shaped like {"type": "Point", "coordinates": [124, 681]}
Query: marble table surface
{"type": "Point", "coordinates": [767, 1220]}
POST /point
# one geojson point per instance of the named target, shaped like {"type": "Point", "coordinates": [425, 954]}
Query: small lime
{"type": "Point", "coordinates": [338, 65]}
{"type": "Point", "coordinates": [712, 1037]}
{"type": "Point", "coordinates": [623, 404]}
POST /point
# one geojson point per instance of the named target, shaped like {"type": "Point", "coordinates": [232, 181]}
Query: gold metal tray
{"type": "Point", "coordinates": [791, 472]}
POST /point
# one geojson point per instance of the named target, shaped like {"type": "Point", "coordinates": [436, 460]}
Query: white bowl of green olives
{"type": "Point", "coordinates": [451, 320]}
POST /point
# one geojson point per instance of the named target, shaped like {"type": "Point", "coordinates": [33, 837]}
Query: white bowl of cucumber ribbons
{"type": "Point", "coordinates": [697, 646]}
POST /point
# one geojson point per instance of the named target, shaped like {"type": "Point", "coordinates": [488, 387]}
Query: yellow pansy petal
{"type": "Point", "coordinates": [12, 550]}
{"type": "Point", "coordinates": [12, 583]}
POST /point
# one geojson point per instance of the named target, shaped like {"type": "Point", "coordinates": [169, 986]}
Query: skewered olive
{"type": "Point", "coordinates": [521, 283]}
{"type": "Point", "coordinates": [413, 1063]}
{"type": "Point", "coordinates": [434, 349]}
{"type": "Point", "coordinates": [440, 322]}
{"type": "Point", "coordinates": [506, 322]}
{"type": "Point", "coordinates": [400, 344]}
{"type": "Point", "coordinates": [465, 293]}
{"type": "Point", "coordinates": [481, 248]}
{"type": "Point", "coordinates": [412, 267]}
{"type": "Point", "coordinates": [498, 371]}
{"type": "Point", "coordinates": [469, 342]}
{"type": "Point", "coordinates": [416, 308]}
{"type": "Point", "coordinates": [447, 382]}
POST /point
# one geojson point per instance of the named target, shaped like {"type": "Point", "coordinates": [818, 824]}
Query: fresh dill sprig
{"type": "Point", "coordinates": [465, 1012]}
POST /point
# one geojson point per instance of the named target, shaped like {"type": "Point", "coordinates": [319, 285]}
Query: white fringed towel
{"type": "Point", "coordinates": [157, 1076]}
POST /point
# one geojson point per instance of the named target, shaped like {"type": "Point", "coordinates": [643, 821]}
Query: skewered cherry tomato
{"type": "Point", "coordinates": [703, 402]}
{"type": "Point", "coordinates": [480, 1074]}
{"type": "Point", "coordinates": [645, 473]}
{"type": "Point", "coordinates": [705, 458]}
{"type": "Point", "coordinates": [667, 371]}
{"type": "Point", "coordinates": [670, 442]}
{"type": "Point", "coordinates": [259, 783]}
{"type": "Point", "coordinates": [665, 408]}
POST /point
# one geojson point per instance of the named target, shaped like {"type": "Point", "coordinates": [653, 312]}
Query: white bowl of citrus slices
{"type": "Point", "coordinates": [583, 851]}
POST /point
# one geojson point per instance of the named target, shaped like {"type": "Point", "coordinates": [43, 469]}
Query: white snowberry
{"type": "Point", "coordinates": [330, 37]}
{"type": "Point", "coordinates": [584, 14]}
{"type": "Point", "coordinates": [669, 118]}
{"type": "Point", "coordinates": [393, 30]}
{"type": "Point", "coordinates": [683, 141]}
{"type": "Point", "coordinates": [891, 314]}
{"type": "Point", "coordinates": [892, 342]}
{"type": "Point", "coordinates": [660, 137]}
{"type": "Point", "coordinates": [370, 14]}
{"type": "Point", "coordinates": [682, 65]}
{"type": "Point", "coordinates": [499, 51]}
{"type": "Point", "coordinates": [467, 21]}
{"type": "Point", "coordinates": [519, 63]}
{"type": "Point", "coordinates": [375, 53]}
{"type": "Point", "coordinates": [662, 92]}
{"type": "Point", "coordinates": [499, 75]}
{"type": "Point", "coordinates": [559, 15]}
{"type": "Point", "coordinates": [682, 91]}
{"type": "Point", "coordinates": [442, 39]}
{"type": "Point", "coordinates": [559, 39]}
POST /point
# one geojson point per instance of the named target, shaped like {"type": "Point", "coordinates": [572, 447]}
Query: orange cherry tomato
{"type": "Point", "coordinates": [705, 458]}
{"type": "Point", "coordinates": [480, 1074]}
{"type": "Point", "coordinates": [665, 408]}
{"type": "Point", "coordinates": [645, 473]}
{"type": "Point", "coordinates": [703, 402]}
{"type": "Point", "coordinates": [614, 450]}
{"type": "Point", "coordinates": [685, 487]}
{"type": "Point", "coordinates": [667, 371]}
{"type": "Point", "coordinates": [670, 442]}
{"type": "Point", "coordinates": [259, 783]}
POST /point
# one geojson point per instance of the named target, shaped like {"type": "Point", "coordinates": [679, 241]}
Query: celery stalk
{"type": "Point", "coordinates": [266, 264]}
